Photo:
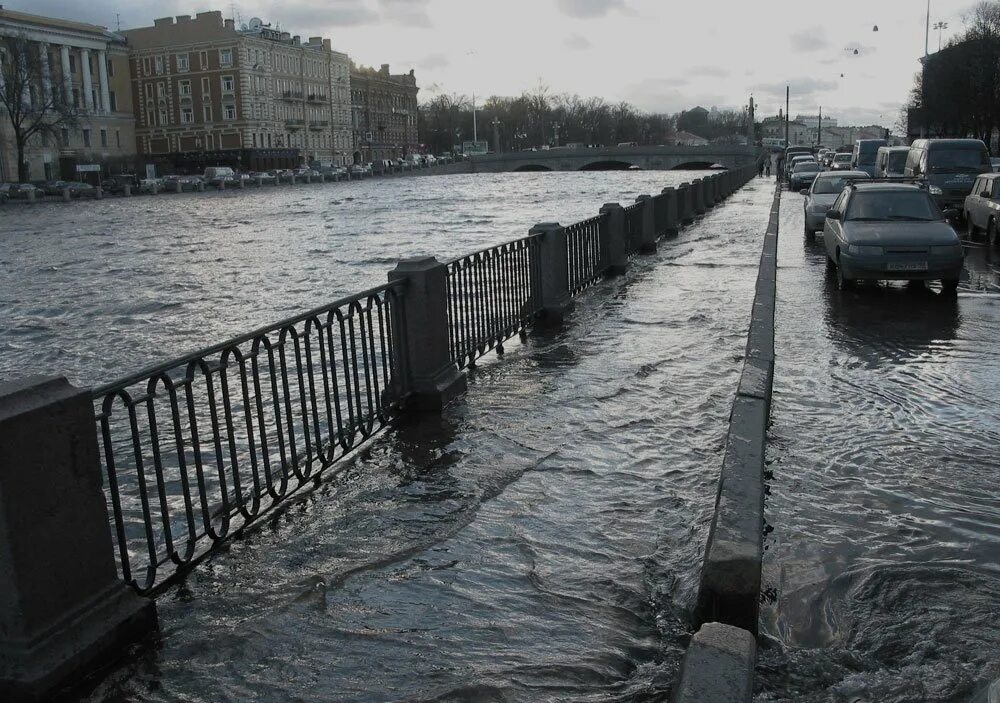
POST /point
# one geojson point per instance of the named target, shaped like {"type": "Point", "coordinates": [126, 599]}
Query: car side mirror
{"type": "Point", "coordinates": [804, 191]}
{"type": "Point", "coordinates": [833, 214]}
{"type": "Point", "coordinates": [949, 213]}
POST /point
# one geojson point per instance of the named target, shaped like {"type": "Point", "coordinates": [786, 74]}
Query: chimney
{"type": "Point", "coordinates": [296, 40]}
{"type": "Point", "coordinates": [163, 22]}
{"type": "Point", "coordinates": [183, 18]}
{"type": "Point", "coordinates": [285, 36]}
{"type": "Point", "coordinates": [315, 41]}
{"type": "Point", "coordinates": [384, 69]}
{"type": "Point", "coordinates": [230, 24]}
{"type": "Point", "coordinates": [326, 45]}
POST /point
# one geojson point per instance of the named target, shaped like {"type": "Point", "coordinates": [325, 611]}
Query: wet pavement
{"type": "Point", "coordinates": [883, 568]}
{"type": "Point", "coordinates": [540, 542]}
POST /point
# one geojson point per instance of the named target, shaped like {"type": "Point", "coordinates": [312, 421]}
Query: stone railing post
{"type": "Point", "coordinates": [685, 211]}
{"type": "Point", "coordinates": [614, 256]}
{"type": "Point", "coordinates": [670, 226]}
{"type": "Point", "coordinates": [66, 195]}
{"type": "Point", "coordinates": [63, 609]}
{"type": "Point", "coordinates": [720, 194]}
{"type": "Point", "coordinates": [554, 272]}
{"type": "Point", "coordinates": [708, 191]}
{"type": "Point", "coordinates": [698, 201]}
{"type": "Point", "coordinates": [98, 193]}
{"type": "Point", "coordinates": [647, 236]}
{"type": "Point", "coordinates": [428, 375]}
{"type": "Point", "coordinates": [127, 190]}
{"type": "Point", "coordinates": [260, 181]}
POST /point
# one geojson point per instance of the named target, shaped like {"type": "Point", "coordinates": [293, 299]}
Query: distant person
{"type": "Point", "coordinates": [767, 168]}
{"type": "Point", "coordinates": [760, 169]}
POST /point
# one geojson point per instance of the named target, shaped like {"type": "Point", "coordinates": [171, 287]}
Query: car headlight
{"type": "Point", "coordinates": [864, 250]}
{"type": "Point", "coordinates": [934, 190]}
{"type": "Point", "coordinates": [948, 250]}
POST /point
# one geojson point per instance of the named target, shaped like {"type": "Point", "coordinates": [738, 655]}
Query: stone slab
{"type": "Point", "coordinates": [718, 666]}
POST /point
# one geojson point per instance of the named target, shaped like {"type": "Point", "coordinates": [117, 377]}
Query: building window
{"type": "Point", "coordinates": [77, 100]}
{"type": "Point", "coordinates": [203, 59]}
{"type": "Point", "coordinates": [205, 87]}
{"type": "Point", "coordinates": [227, 84]}
{"type": "Point", "coordinates": [229, 112]}
{"type": "Point", "coordinates": [86, 137]}
{"type": "Point", "coordinates": [65, 136]}
{"type": "Point", "coordinates": [225, 57]}
{"type": "Point", "coordinates": [164, 117]}
{"type": "Point", "coordinates": [187, 115]}
{"type": "Point", "coordinates": [184, 88]}
{"type": "Point", "coordinates": [72, 63]}
{"type": "Point", "coordinates": [111, 68]}
{"type": "Point", "coordinates": [207, 113]}
{"type": "Point", "coordinates": [149, 118]}
{"type": "Point", "coordinates": [145, 66]}
{"type": "Point", "coordinates": [118, 138]}
{"type": "Point", "coordinates": [158, 60]}
{"type": "Point", "coordinates": [149, 91]}
{"type": "Point", "coordinates": [104, 137]}
{"type": "Point", "coordinates": [113, 101]}
{"type": "Point", "coordinates": [182, 62]}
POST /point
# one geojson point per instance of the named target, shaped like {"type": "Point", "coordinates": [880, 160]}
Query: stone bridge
{"type": "Point", "coordinates": [653, 158]}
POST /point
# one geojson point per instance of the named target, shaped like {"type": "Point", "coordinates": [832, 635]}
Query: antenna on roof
{"type": "Point", "coordinates": [118, 21]}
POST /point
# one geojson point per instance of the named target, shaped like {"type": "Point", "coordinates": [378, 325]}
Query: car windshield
{"type": "Point", "coordinates": [842, 157]}
{"type": "Point", "coordinates": [867, 159]}
{"type": "Point", "coordinates": [828, 185]}
{"type": "Point", "coordinates": [911, 205]}
{"type": "Point", "coordinates": [897, 160]}
{"type": "Point", "coordinates": [806, 166]}
{"type": "Point", "coordinates": [959, 161]}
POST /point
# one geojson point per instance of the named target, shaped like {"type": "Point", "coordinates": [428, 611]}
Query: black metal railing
{"type": "Point", "coordinates": [197, 449]}
{"type": "Point", "coordinates": [583, 249]}
{"type": "Point", "coordinates": [492, 295]}
{"type": "Point", "coordinates": [633, 228]}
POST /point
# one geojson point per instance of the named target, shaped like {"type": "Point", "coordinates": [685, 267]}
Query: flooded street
{"type": "Point", "coordinates": [541, 542]}
{"type": "Point", "coordinates": [883, 568]}
{"type": "Point", "coordinates": [94, 290]}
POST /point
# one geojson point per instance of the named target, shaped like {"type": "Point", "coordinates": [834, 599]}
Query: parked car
{"type": "Point", "coordinates": [219, 175]}
{"type": "Point", "coordinates": [950, 167]}
{"type": "Point", "coordinates": [841, 162]}
{"type": "Point", "coordinates": [995, 162]}
{"type": "Point", "coordinates": [822, 194]}
{"type": "Point", "coordinates": [863, 156]}
{"type": "Point", "coordinates": [53, 187]}
{"type": "Point", "coordinates": [117, 183]}
{"type": "Point", "coordinates": [264, 177]}
{"type": "Point", "coordinates": [147, 185]}
{"type": "Point", "coordinates": [19, 191]}
{"type": "Point", "coordinates": [79, 189]}
{"type": "Point", "coordinates": [890, 161]}
{"type": "Point", "coordinates": [804, 173]}
{"type": "Point", "coordinates": [891, 231]}
{"type": "Point", "coordinates": [982, 208]}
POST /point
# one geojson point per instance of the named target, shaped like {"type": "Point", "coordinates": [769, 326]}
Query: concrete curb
{"type": "Point", "coordinates": [718, 666]}
{"type": "Point", "coordinates": [731, 573]}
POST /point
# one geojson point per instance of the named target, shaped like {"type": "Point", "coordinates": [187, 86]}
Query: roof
{"type": "Point", "coordinates": [932, 143]}
{"type": "Point", "coordinates": [882, 187]}
{"type": "Point", "coordinates": [891, 149]}
{"type": "Point", "coordinates": [16, 16]}
{"type": "Point", "coordinates": [841, 174]}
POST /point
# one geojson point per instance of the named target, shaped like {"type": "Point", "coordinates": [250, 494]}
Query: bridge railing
{"type": "Point", "coordinates": [493, 294]}
{"type": "Point", "coordinates": [198, 448]}
{"type": "Point", "coordinates": [583, 249]}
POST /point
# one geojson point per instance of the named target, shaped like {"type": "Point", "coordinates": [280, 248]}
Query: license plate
{"type": "Point", "coordinates": [906, 266]}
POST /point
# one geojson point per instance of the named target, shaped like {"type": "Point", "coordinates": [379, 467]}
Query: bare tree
{"type": "Point", "coordinates": [35, 107]}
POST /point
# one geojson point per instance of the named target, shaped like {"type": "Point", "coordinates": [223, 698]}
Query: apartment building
{"type": "Point", "coordinates": [86, 66]}
{"type": "Point", "coordinates": [208, 93]}
{"type": "Point", "coordinates": [384, 113]}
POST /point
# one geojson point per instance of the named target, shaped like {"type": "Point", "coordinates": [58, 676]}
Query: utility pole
{"type": "Point", "coordinates": [787, 94]}
{"type": "Point", "coordinates": [819, 128]}
{"type": "Point", "coordinates": [927, 30]}
{"type": "Point", "coordinates": [475, 132]}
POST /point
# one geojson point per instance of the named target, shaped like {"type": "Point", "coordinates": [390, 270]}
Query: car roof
{"type": "Point", "coordinates": [891, 149]}
{"type": "Point", "coordinates": [950, 143]}
{"type": "Point", "coordinates": [885, 187]}
{"type": "Point", "coordinates": [842, 174]}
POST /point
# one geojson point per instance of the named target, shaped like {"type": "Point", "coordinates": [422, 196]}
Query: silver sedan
{"type": "Point", "coordinates": [821, 196]}
{"type": "Point", "coordinates": [891, 231]}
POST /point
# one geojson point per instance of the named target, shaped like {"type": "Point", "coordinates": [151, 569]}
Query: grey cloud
{"type": "Point", "coordinates": [310, 15]}
{"type": "Point", "coordinates": [712, 71]}
{"type": "Point", "coordinates": [663, 95]}
{"type": "Point", "coordinates": [432, 62]}
{"type": "Point", "coordinates": [589, 9]}
{"type": "Point", "coordinates": [101, 12]}
{"type": "Point", "coordinates": [409, 13]}
{"type": "Point", "coordinates": [809, 39]}
{"type": "Point", "coordinates": [577, 42]}
{"type": "Point", "coordinates": [801, 87]}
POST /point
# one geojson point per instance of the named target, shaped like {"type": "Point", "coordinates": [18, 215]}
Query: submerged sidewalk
{"type": "Point", "coordinates": [539, 541]}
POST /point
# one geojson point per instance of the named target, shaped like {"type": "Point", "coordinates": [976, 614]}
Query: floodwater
{"type": "Point", "coordinates": [539, 542]}
{"type": "Point", "coordinates": [883, 568]}
{"type": "Point", "coordinates": [94, 290]}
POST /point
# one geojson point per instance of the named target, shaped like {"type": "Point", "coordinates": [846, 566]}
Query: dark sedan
{"type": "Point", "coordinates": [804, 174]}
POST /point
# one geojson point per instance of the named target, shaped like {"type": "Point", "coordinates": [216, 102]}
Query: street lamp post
{"type": "Point", "coordinates": [939, 26]}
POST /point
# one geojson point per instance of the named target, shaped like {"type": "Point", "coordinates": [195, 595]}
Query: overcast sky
{"type": "Point", "coordinates": [662, 55]}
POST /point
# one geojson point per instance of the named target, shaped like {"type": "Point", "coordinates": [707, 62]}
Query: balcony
{"type": "Point", "coordinates": [295, 123]}
{"type": "Point", "coordinates": [319, 125]}
{"type": "Point", "coordinates": [291, 95]}
{"type": "Point", "coordinates": [317, 98]}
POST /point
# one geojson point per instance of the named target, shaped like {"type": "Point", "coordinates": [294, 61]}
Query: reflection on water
{"type": "Point", "coordinates": [884, 563]}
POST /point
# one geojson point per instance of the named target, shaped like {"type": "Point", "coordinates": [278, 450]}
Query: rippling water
{"type": "Point", "coordinates": [94, 290]}
{"type": "Point", "coordinates": [883, 569]}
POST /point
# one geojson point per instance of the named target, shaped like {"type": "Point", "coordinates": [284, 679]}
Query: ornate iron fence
{"type": "Point", "coordinates": [583, 245]}
{"type": "Point", "coordinates": [633, 228]}
{"type": "Point", "coordinates": [197, 449]}
{"type": "Point", "coordinates": [492, 295]}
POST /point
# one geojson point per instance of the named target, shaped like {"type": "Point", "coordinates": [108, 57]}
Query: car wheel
{"type": "Point", "coordinates": [843, 282]}
{"type": "Point", "coordinates": [949, 285]}
{"type": "Point", "coordinates": [991, 233]}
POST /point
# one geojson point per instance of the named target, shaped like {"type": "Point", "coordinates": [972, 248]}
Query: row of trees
{"type": "Point", "coordinates": [538, 118]}
{"type": "Point", "coordinates": [957, 94]}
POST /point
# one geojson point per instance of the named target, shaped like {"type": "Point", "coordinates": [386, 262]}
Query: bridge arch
{"type": "Point", "coordinates": [607, 165]}
{"type": "Point", "coordinates": [531, 168]}
{"type": "Point", "coordinates": [694, 166]}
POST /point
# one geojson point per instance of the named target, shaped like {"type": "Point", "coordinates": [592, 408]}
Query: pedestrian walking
{"type": "Point", "coordinates": [767, 168]}
{"type": "Point", "coordinates": [760, 169]}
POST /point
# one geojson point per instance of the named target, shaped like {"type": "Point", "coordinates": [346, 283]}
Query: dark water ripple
{"type": "Point", "coordinates": [883, 569]}
{"type": "Point", "coordinates": [540, 542]}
